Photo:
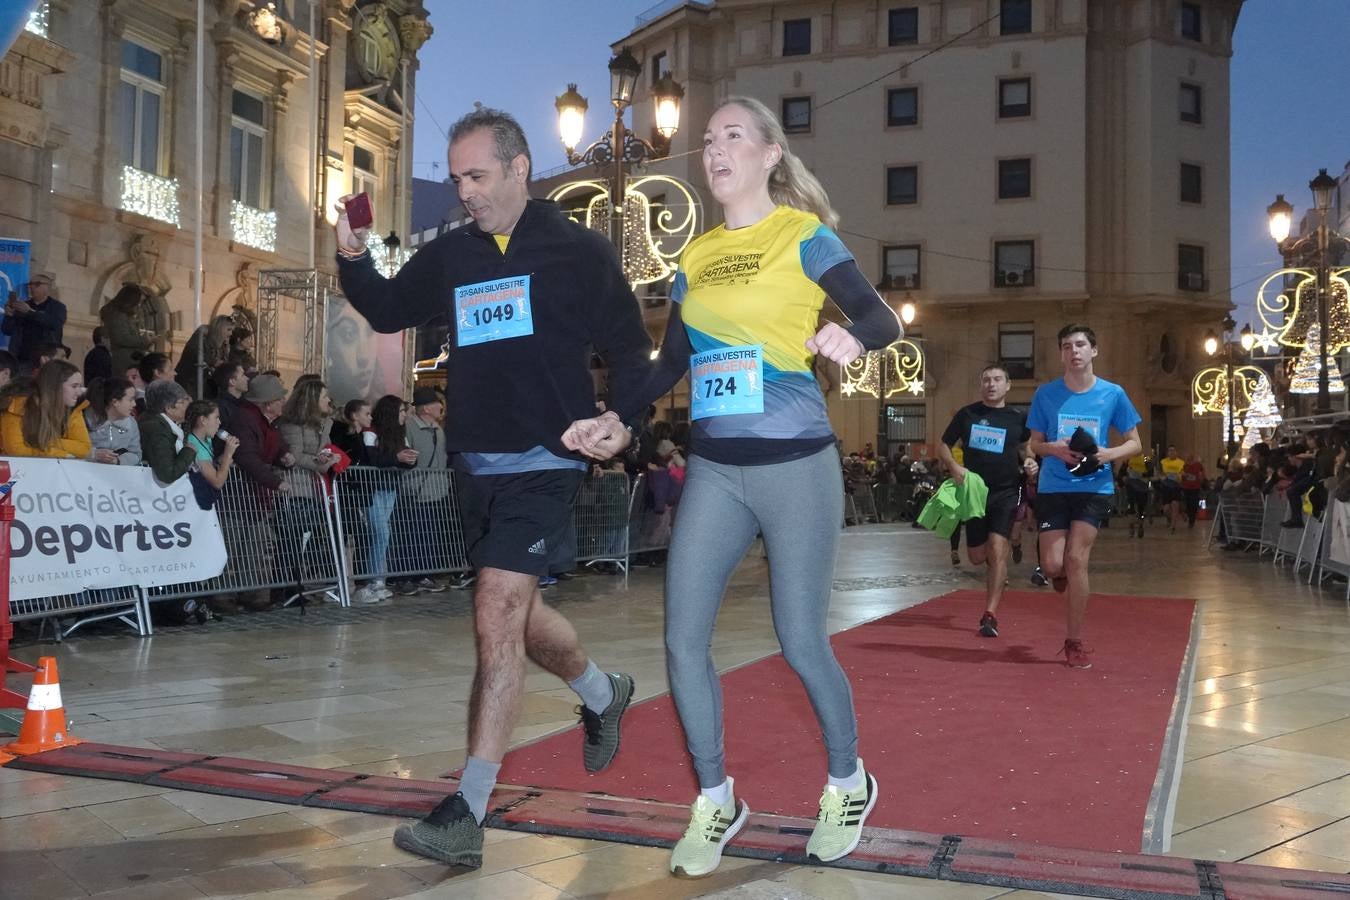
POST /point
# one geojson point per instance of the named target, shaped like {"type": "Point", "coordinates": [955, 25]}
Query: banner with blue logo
{"type": "Point", "coordinates": [15, 259]}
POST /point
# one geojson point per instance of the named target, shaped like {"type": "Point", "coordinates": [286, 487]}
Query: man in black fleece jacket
{"type": "Point", "coordinates": [530, 295]}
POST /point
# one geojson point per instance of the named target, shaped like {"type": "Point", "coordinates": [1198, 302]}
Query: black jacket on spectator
{"type": "Point", "coordinates": [229, 405]}
{"type": "Point", "coordinates": [44, 325]}
{"type": "Point", "coordinates": [351, 443]}
{"type": "Point", "coordinates": [97, 364]}
{"type": "Point", "coordinates": [260, 446]}
{"type": "Point", "coordinates": [157, 448]}
{"type": "Point", "coordinates": [514, 394]}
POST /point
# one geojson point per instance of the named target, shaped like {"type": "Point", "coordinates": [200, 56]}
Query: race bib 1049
{"type": "Point", "coordinates": [727, 382]}
{"type": "Point", "coordinates": [493, 310]}
{"type": "Point", "coordinates": [988, 438]}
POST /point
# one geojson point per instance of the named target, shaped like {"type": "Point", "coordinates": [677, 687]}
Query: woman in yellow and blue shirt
{"type": "Point", "coordinates": [745, 328]}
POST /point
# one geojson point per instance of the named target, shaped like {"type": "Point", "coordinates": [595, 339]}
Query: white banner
{"type": "Point", "coordinates": [1338, 519]}
{"type": "Point", "coordinates": [81, 525]}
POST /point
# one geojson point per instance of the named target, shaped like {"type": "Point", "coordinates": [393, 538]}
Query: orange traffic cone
{"type": "Point", "coordinates": [44, 723]}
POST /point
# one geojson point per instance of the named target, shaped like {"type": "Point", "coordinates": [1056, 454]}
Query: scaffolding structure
{"type": "Point", "coordinates": [308, 287]}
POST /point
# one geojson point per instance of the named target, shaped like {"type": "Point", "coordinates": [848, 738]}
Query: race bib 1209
{"type": "Point", "coordinates": [988, 438]}
{"type": "Point", "coordinates": [727, 382]}
{"type": "Point", "coordinates": [493, 310]}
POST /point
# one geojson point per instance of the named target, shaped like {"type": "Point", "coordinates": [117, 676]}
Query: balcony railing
{"type": "Point", "coordinates": [253, 227]}
{"type": "Point", "coordinates": [150, 195]}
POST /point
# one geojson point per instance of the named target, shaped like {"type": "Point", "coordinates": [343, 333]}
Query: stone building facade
{"type": "Point", "coordinates": [99, 170]}
{"type": "Point", "coordinates": [1006, 165]}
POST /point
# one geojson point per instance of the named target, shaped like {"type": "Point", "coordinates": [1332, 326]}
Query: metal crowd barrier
{"type": "Point", "coordinates": [1243, 514]}
{"type": "Point", "coordinates": [398, 523]}
{"type": "Point", "coordinates": [1335, 520]}
{"type": "Point", "coordinates": [860, 504]}
{"type": "Point", "coordinates": [1251, 517]}
{"type": "Point", "coordinates": [273, 539]}
{"type": "Point", "coordinates": [371, 523]}
{"type": "Point", "coordinates": [603, 516]}
{"type": "Point", "coordinates": [126, 604]}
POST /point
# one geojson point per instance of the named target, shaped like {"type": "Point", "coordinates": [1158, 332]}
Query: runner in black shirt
{"type": "Point", "coordinates": [994, 440]}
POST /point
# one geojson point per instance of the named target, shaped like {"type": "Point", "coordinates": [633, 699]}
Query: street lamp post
{"type": "Point", "coordinates": [620, 148]}
{"type": "Point", "coordinates": [1314, 251]}
{"type": "Point", "coordinates": [1228, 351]}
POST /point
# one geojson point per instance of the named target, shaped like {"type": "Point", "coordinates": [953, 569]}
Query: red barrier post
{"type": "Point", "coordinates": [8, 699]}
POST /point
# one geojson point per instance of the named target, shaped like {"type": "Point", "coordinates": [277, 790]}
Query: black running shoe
{"type": "Point", "coordinates": [988, 625]}
{"type": "Point", "coordinates": [602, 731]}
{"type": "Point", "coordinates": [1017, 553]}
{"type": "Point", "coordinates": [449, 834]}
{"type": "Point", "coordinates": [1038, 577]}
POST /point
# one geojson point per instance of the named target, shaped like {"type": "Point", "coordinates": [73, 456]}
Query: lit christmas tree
{"type": "Point", "coordinates": [1308, 365]}
{"type": "Point", "coordinates": [1264, 413]}
{"type": "Point", "coordinates": [1250, 439]}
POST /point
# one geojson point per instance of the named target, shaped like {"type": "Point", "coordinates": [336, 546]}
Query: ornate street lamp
{"type": "Point", "coordinates": [620, 148]}
{"type": "Point", "coordinates": [1313, 303]}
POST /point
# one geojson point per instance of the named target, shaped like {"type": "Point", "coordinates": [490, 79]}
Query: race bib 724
{"type": "Point", "coordinates": [726, 382]}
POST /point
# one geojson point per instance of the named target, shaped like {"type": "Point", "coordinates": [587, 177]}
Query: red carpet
{"type": "Point", "coordinates": [966, 735]}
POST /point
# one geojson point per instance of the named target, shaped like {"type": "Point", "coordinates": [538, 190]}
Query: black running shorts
{"type": "Point", "coordinates": [514, 522]}
{"type": "Point", "coordinates": [1054, 512]}
{"type": "Point", "coordinates": [999, 511]}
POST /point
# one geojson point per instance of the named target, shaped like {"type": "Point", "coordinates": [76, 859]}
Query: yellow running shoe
{"type": "Point", "coordinates": [710, 828]}
{"type": "Point", "coordinates": [839, 824]}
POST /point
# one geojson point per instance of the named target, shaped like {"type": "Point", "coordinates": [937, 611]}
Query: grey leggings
{"type": "Point", "coordinates": [798, 507]}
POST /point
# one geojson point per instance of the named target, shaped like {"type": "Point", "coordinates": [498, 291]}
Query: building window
{"type": "Point", "coordinates": [364, 177]}
{"type": "Point", "coordinates": [1192, 190]}
{"type": "Point", "coordinates": [1014, 97]}
{"type": "Point", "coordinates": [902, 106]}
{"type": "Point", "coordinates": [1190, 21]}
{"type": "Point", "coordinates": [1017, 348]}
{"type": "Point", "coordinates": [1190, 102]}
{"type": "Point", "coordinates": [902, 26]}
{"type": "Point", "coordinates": [141, 106]}
{"type": "Point", "coordinates": [1191, 267]}
{"type": "Point", "coordinates": [1014, 263]}
{"type": "Point", "coordinates": [796, 37]}
{"type": "Point", "coordinates": [1014, 179]}
{"type": "Point", "coordinates": [796, 114]}
{"type": "Point", "coordinates": [660, 66]}
{"type": "Point", "coordinates": [1014, 16]}
{"type": "Point", "coordinates": [248, 154]}
{"type": "Point", "coordinates": [902, 185]}
{"type": "Point", "coordinates": [901, 267]}
{"type": "Point", "coordinates": [906, 423]}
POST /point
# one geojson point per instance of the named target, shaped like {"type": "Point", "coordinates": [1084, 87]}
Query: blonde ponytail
{"type": "Point", "coordinates": [790, 182]}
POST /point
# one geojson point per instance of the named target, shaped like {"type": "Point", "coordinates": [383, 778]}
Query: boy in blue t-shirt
{"type": "Point", "coordinates": [1075, 486]}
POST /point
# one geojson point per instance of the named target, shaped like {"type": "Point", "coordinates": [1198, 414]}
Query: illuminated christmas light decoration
{"type": "Point", "coordinates": [654, 234]}
{"type": "Point", "coordinates": [1308, 366]}
{"type": "Point", "coordinates": [1264, 411]}
{"type": "Point", "coordinates": [1288, 312]}
{"type": "Point", "coordinates": [1210, 387]}
{"type": "Point", "coordinates": [253, 227]}
{"type": "Point", "coordinates": [150, 195]}
{"type": "Point", "coordinates": [38, 19]}
{"type": "Point", "coordinates": [886, 372]}
{"type": "Point", "coordinates": [388, 260]}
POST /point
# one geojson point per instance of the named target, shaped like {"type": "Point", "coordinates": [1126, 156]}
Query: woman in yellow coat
{"type": "Point", "coordinates": [50, 420]}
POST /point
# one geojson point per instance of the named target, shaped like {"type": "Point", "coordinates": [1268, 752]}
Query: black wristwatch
{"type": "Point", "coordinates": [635, 439]}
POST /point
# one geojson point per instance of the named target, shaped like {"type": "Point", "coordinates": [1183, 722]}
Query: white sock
{"type": "Point", "coordinates": [721, 795]}
{"type": "Point", "coordinates": [850, 782]}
